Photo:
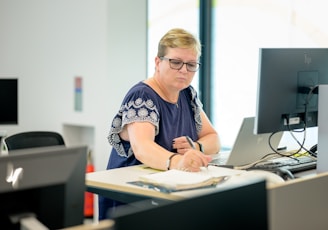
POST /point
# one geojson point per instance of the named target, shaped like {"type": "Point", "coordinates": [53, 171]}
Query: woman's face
{"type": "Point", "coordinates": [172, 78]}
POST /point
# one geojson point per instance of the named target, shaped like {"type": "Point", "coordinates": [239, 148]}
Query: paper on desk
{"type": "Point", "coordinates": [176, 180]}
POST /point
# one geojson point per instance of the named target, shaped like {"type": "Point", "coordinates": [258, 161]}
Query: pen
{"type": "Point", "coordinates": [191, 143]}
{"type": "Point", "coordinates": [224, 166]}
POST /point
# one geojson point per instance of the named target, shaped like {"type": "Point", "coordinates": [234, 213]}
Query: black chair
{"type": "Point", "coordinates": [33, 139]}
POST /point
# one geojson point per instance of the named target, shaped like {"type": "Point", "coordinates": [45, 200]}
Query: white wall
{"type": "Point", "coordinates": [46, 44]}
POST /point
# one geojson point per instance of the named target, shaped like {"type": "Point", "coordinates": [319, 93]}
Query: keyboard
{"type": "Point", "coordinates": [294, 165]}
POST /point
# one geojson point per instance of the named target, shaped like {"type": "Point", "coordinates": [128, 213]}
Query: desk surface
{"type": "Point", "coordinates": [113, 184]}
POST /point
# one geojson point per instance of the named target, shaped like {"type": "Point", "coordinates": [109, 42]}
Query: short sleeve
{"type": "Point", "coordinates": [137, 106]}
{"type": "Point", "coordinates": [197, 106]}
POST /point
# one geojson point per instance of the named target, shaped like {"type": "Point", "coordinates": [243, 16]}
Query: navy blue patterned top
{"type": "Point", "coordinates": [143, 104]}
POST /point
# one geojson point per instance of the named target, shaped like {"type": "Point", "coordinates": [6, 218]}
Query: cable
{"type": "Point", "coordinates": [290, 154]}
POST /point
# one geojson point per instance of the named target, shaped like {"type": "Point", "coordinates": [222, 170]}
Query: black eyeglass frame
{"type": "Point", "coordinates": [188, 64]}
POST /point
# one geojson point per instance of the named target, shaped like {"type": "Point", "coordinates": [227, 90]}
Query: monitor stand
{"type": "Point", "coordinates": [322, 157]}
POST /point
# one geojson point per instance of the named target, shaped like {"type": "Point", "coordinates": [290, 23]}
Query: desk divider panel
{"type": "Point", "coordinates": [299, 204]}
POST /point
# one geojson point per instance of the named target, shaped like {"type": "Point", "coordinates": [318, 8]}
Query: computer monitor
{"type": "Point", "coordinates": [8, 105]}
{"type": "Point", "coordinates": [286, 84]}
{"type": "Point", "coordinates": [243, 206]}
{"type": "Point", "coordinates": [46, 182]}
{"type": "Point", "coordinates": [8, 101]}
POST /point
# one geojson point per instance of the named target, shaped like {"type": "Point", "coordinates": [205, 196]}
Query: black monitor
{"type": "Point", "coordinates": [243, 206]}
{"type": "Point", "coordinates": [287, 97]}
{"type": "Point", "coordinates": [8, 101]}
{"type": "Point", "coordinates": [46, 182]}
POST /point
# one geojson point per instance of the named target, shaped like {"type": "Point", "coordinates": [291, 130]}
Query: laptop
{"type": "Point", "coordinates": [249, 147]}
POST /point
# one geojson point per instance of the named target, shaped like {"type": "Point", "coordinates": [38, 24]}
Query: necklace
{"type": "Point", "coordinates": [165, 95]}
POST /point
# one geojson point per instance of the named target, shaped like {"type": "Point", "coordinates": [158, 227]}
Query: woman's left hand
{"type": "Point", "coordinates": [182, 144]}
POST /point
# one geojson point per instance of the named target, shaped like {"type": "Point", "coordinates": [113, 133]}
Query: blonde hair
{"type": "Point", "coordinates": [178, 38]}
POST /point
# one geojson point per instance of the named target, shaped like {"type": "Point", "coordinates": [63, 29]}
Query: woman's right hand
{"type": "Point", "coordinates": [192, 160]}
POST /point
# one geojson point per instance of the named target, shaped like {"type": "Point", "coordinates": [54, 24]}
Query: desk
{"type": "Point", "coordinates": [296, 204]}
{"type": "Point", "coordinates": [163, 210]}
{"type": "Point", "coordinates": [113, 184]}
{"type": "Point", "coordinates": [102, 225]}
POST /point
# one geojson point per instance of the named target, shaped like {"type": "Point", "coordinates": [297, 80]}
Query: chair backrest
{"type": "Point", "coordinates": [33, 139]}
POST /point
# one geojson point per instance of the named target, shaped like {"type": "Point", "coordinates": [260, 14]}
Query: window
{"type": "Point", "coordinates": [240, 29]}
{"type": "Point", "coordinates": [168, 14]}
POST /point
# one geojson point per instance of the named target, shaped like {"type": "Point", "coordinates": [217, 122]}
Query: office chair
{"type": "Point", "coordinates": [33, 139]}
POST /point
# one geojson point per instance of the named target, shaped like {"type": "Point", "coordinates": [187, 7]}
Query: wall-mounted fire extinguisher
{"type": "Point", "coordinates": [88, 196]}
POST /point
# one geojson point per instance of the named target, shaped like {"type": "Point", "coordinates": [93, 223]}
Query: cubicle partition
{"type": "Point", "coordinates": [299, 204]}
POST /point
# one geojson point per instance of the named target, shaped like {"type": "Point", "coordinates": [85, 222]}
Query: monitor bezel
{"type": "Point", "coordinates": [284, 77]}
{"type": "Point", "coordinates": [9, 101]}
{"type": "Point", "coordinates": [55, 172]}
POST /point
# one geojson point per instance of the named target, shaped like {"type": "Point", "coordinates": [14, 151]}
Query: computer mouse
{"type": "Point", "coordinates": [270, 177]}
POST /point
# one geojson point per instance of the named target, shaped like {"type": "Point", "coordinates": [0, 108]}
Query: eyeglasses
{"type": "Point", "coordinates": [178, 64]}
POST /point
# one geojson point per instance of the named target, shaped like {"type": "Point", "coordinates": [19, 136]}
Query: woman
{"type": "Point", "coordinates": [161, 122]}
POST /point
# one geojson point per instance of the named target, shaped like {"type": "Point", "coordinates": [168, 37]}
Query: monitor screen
{"type": "Point", "coordinates": [287, 97]}
{"type": "Point", "coordinates": [46, 182]}
{"type": "Point", "coordinates": [8, 101]}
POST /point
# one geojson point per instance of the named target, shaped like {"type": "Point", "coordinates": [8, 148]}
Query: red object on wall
{"type": "Point", "coordinates": [88, 196]}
